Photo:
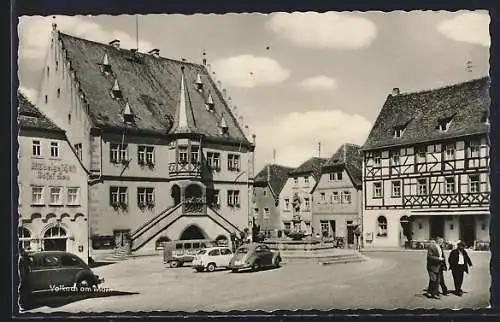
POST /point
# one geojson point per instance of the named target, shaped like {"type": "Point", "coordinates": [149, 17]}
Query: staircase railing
{"type": "Point", "coordinates": [147, 223]}
{"type": "Point", "coordinates": [151, 224]}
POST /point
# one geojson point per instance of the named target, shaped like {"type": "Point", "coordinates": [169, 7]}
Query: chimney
{"type": "Point", "coordinates": [253, 138]}
{"type": "Point", "coordinates": [395, 91]}
{"type": "Point", "coordinates": [274, 156]}
{"type": "Point", "coordinates": [204, 58]}
{"type": "Point", "coordinates": [54, 26]}
{"type": "Point", "coordinates": [319, 149]}
{"type": "Point", "coordinates": [115, 43]}
{"type": "Point", "coordinates": [154, 52]}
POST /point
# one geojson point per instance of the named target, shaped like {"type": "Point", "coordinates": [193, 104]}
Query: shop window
{"type": "Point", "coordinates": [382, 226]}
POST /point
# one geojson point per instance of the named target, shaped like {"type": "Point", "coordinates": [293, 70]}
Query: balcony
{"type": "Point", "coordinates": [447, 200]}
{"type": "Point", "coordinates": [194, 206]}
{"type": "Point", "coordinates": [183, 169]}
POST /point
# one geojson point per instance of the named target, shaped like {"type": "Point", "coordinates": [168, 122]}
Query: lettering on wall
{"type": "Point", "coordinates": [52, 171]}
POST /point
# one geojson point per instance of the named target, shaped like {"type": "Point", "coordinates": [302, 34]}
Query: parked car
{"type": "Point", "coordinates": [51, 269]}
{"type": "Point", "coordinates": [212, 258]}
{"type": "Point", "coordinates": [179, 252]}
{"type": "Point", "coordinates": [254, 256]}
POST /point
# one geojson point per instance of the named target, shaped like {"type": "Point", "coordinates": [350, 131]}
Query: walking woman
{"type": "Point", "coordinates": [459, 262]}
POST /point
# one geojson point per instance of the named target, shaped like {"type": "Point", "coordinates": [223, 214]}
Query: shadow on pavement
{"type": "Point", "coordinates": [61, 299]}
{"type": "Point", "coordinates": [99, 264]}
{"type": "Point", "coordinates": [260, 270]}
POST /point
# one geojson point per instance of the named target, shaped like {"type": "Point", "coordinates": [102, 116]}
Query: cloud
{"type": "Point", "coordinates": [295, 136]}
{"type": "Point", "coordinates": [471, 27]}
{"type": "Point", "coordinates": [248, 71]}
{"type": "Point", "coordinates": [321, 83]}
{"type": "Point", "coordinates": [330, 30]}
{"type": "Point", "coordinates": [30, 93]}
{"type": "Point", "coordinates": [34, 34]}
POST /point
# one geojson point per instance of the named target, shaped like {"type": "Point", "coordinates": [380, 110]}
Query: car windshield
{"type": "Point", "coordinates": [243, 250]}
{"type": "Point", "coordinates": [201, 252]}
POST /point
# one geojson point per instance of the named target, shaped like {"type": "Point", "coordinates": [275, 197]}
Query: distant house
{"type": "Point", "coordinates": [299, 187]}
{"type": "Point", "coordinates": [426, 167]}
{"type": "Point", "coordinates": [337, 196]}
{"type": "Point", "coordinates": [52, 186]}
{"type": "Point", "coordinates": [268, 184]}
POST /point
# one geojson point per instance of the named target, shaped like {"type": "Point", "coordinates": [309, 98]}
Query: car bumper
{"type": "Point", "coordinates": [197, 264]}
{"type": "Point", "coordinates": [240, 266]}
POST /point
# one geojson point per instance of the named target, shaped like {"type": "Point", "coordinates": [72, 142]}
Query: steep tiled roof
{"type": "Point", "coordinates": [152, 86]}
{"type": "Point", "coordinates": [30, 117]}
{"type": "Point", "coordinates": [311, 166]}
{"type": "Point", "coordinates": [420, 112]}
{"type": "Point", "coordinates": [348, 156]}
{"type": "Point", "coordinates": [275, 175]}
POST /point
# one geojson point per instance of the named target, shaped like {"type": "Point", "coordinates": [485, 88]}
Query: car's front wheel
{"type": "Point", "coordinates": [174, 264]}
{"type": "Point", "coordinates": [234, 270]}
{"type": "Point", "coordinates": [277, 262]}
{"type": "Point", "coordinates": [255, 266]}
{"type": "Point", "coordinates": [199, 269]}
{"type": "Point", "coordinates": [84, 284]}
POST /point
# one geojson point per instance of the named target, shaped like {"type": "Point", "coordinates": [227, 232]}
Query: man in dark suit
{"type": "Point", "coordinates": [459, 262]}
{"type": "Point", "coordinates": [436, 264]}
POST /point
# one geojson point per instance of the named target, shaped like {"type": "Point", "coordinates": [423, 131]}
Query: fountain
{"type": "Point", "coordinates": [299, 246]}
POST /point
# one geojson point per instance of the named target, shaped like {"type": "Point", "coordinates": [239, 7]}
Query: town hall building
{"type": "Point", "coordinates": [426, 167]}
{"type": "Point", "coordinates": [166, 156]}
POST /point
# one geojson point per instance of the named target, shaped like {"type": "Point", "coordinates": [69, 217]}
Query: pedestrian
{"type": "Point", "coordinates": [436, 264]}
{"type": "Point", "coordinates": [459, 262]}
{"type": "Point", "coordinates": [25, 294]}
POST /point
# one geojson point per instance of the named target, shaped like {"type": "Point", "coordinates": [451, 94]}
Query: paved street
{"type": "Point", "coordinates": [386, 280]}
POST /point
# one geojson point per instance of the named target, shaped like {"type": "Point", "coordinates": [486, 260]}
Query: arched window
{"type": "Point", "coordinates": [25, 238]}
{"type": "Point", "coordinates": [55, 232]}
{"type": "Point", "coordinates": [382, 226]}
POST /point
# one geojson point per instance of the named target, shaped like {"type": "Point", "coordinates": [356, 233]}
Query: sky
{"type": "Point", "coordinates": [296, 79]}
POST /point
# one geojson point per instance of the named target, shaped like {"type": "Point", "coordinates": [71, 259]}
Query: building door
{"type": "Point", "coordinates": [350, 232]}
{"type": "Point", "coordinates": [332, 227]}
{"type": "Point", "coordinates": [467, 231]}
{"type": "Point", "coordinates": [436, 226]}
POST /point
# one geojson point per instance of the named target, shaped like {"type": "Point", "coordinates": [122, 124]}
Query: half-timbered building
{"type": "Point", "coordinates": [426, 167]}
{"type": "Point", "coordinates": [167, 157]}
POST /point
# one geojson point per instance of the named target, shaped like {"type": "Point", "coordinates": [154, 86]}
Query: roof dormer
{"type": "Point", "coordinates": [223, 128]}
{"type": "Point", "coordinates": [444, 124]}
{"type": "Point", "coordinates": [199, 83]}
{"type": "Point", "coordinates": [105, 65]}
{"type": "Point", "coordinates": [210, 103]}
{"type": "Point", "coordinates": [128, 115]}
{"type": "Point", "coordinates": [398, 131]}
{"type": "Point", "coordinates": [116, 92]}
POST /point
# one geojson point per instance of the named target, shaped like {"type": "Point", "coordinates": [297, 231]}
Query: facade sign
{"type": "Point", "coordinates": [53, 170]}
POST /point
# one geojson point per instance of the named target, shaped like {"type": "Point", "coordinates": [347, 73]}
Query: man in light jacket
{"type": "Point", "coordinates": [459, 262]}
